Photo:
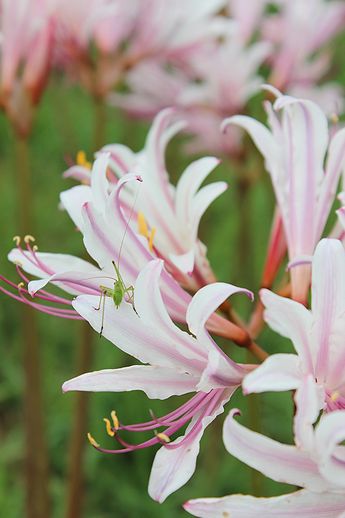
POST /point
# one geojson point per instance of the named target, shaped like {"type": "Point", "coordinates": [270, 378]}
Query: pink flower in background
{"type": "Point", "coordinates": [248, 18]}
{"type": "Point", "coordinates": [175, 30]}
{"type": "Point", "coordinates": [204, 92]}
{"type": "Point", "coordinates": [128, 33]}
{"type": "Point", "coordinates": [299, 30]}
{"type": "Point", "coordinates": [294, 151]}
{"type": "Point", "coordinates": [179, 363]}
{"type": "Point", "coordinates": [25, 57]}
{"type": "Point", "coordinates": [83, 27]}
{"type": "Point", "coordinates": [315, 463]}
{"type": "Point", "coordinates": [317, 335]}
{"type": "Point", "coordinates": [167, 216]}
{"type": "Point", "coordinates": [106, 23]}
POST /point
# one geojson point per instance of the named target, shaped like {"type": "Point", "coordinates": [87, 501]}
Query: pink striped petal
{"type": "Point", "coordinates": [277, 373]}
{"type": "Point", "coordinates": [328, 305]}
{"type": "Point", "coordinates": [302, 504]}
{"type": "Point", "coordinates": [290, 319]}
{"type": "Point", "coordinates": [278, 461]}
{"type": "Point", "coordinates": [329, 439]}
{"type": "Point", "coordinates": [156, 382]}
{"type": "Point", "coordinates": [308, 404]}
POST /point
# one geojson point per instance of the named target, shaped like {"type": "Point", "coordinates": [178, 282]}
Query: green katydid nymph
{"type": "Point", "coordinates": [117, 293]}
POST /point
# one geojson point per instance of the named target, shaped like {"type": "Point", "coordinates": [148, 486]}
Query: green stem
{"type": "Point", "coordinates": [100, 122]}
{"type": "Point", "coordinates": [78, 435]}
{"type": "Point", "coordinates": [36, 457]}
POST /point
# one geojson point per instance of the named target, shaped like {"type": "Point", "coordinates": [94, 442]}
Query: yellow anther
{"type": "Point", "coordinates": [334, 118]}
{"type": "Point", "coordinates": [82, 160]}
{"type": "Point", "coordinates": [162, 437]}
{"type": "Point", "coordinates": [142, 226]}
{"type": "Point", "coordinates": [20, 286]}
{"type": "Point", "coordinates": [115, 420]}
{"type": "Point", "coordinates": [335, 396]}
{"type": "Point", "coordinates": [35, 248]}
{"type": "Point", "coordinates": [29, 238]}
{"type": "Point", "coordinates": [108, 427]}
{"type": "Point", "coordinates": [92, 441]}
{"type": "Point", "coordinates": [152, 235]}
{"type": "Point", "coordinates": [18, 263]}
{"type": "Point", "coordinates": [17, 240]}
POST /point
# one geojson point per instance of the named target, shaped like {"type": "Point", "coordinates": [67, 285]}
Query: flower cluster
{"type": "Point", "coordinates": [141, 231]}
{"type": "Point", "coordinates": [144, 282]}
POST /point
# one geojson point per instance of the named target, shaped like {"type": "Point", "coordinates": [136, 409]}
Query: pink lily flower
{"type": "Point", "coordinates": [203, 93]}
{"type": "Point", "coordinates": [315, 464]}
{"type": "Point", "coordinates": [294, 150]}
{"type": "Point", "coordinates": [317, 334]}
{"type": "Point", "coordinates": [167, 216]}
{"type": "Point", "coordinates": [84, 27]}
{"type": "Point", "coordinates": [178, 363]}
{"type": "Point", "coordinates": [109, 238]}
{"type": "Point", "coordinates": [295, 37]}
{"type": "Point", "coordinates": [25, 55]}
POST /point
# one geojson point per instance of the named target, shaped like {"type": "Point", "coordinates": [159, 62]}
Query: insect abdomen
{"type": "Point", "coordinates": [117, 293]}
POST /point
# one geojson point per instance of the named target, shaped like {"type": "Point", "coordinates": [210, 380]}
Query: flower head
{"type": "Point", "coordinates": [317, 335]}
{"type": "Point", "coordinates": [294, 150]}
{"type": "Point", "coordinates": [178, 363]}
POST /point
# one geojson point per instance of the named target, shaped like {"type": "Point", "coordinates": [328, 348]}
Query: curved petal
{"type": "Point", "coordinates": [172, 468]}
{"type": "Point", "coordinates": [334, 168]}
{"type": "Point", "coordinates": [261, 136]}
{"type": "Point", "coordinates": [147, 343]}
{"type": "Point", "coordinates": [277, 373]}
{"type": "Point", "coordinates": [66, 271]}
{"type": "Point", "coordinates": [206, 301]}
{"type": "Point", "coordinates": [99, 181]}
{"type": "Point", "coordinates": [308, 404]}
{"type": "Point", "coordinates": [304, 504]}
{"type": "Point", "coordinates": [156, 382]}
{"type": "Point", "coordinates": [184, 262]}
{"type": "Point", "coordinates": [202, 200]}
{"type": "Point", "coordinates": [73, 201]}
{"type": "Point", "coordinates": [290, 319]}
{"type": "Point", "coordinates": [221, 373]}
{"type": "Point", "coordinates": [78, 172]}
{"type": "Point", "coordinates": [278, 461]}
{"type": "Point", "coordinates": [151, 309]}
{"type": "Point", "coordinates": [329, 436]}
{"type": "Point", "coordinates": [328, 304]}
{"type": "Point", "coordinates": [189, 183]}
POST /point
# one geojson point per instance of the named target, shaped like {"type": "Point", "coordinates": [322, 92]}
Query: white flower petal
{"type": "Point", "coordinates": [302, 504]}
{"type": "Point", "coordinates": [278, 372]}
{"type": "Point", "coordinates": [278, 461]}
{"type": "Point", "coordinates": [290, 319]}
{"type": "Point", "coordinates": [156, 382]}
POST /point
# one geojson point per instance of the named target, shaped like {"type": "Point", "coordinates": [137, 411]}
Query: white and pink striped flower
{"type": "Point", "coordinates": [104, 219]}
{"type": "Point", "coordinates": [317, 334]}
{"type": "Point", "coordinates": [294, 150]}
{"type": "Point", "coordinates": [315, 463]}
{"type": "Point", "coordinates": [168, 217]}
{"type": "Point", "coordinates": [178, 363]}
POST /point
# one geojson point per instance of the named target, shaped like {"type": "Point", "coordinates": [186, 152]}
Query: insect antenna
{"type": "Point", "coordinates": [126, 227]}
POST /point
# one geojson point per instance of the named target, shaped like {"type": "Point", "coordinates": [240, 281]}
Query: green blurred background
{"type": "Point", "coordinates": [116, 486]}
